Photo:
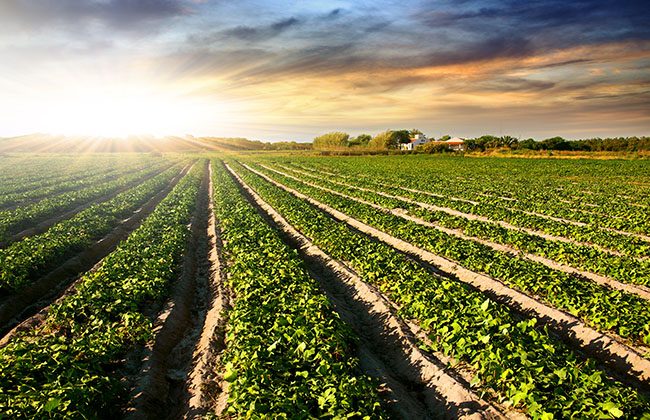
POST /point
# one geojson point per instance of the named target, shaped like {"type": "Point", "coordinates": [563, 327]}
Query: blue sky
{"type": "Point", "coordinates": [292, 70]}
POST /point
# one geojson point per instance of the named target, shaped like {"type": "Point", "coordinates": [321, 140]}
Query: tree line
{"type": "Point", "coordinates": [391, 139]}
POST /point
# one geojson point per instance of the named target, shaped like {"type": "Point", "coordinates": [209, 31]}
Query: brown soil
{"type": "Point", "coordinates": [168, 385]}
{"type": "Point", "coordinates": [28, 308]}
{"type": "Point", "coordinates": [413, 384]}
{"type": "Point", "coordinates": [624, 359]}
{"type": "Point", "coordinates": [206, 389]}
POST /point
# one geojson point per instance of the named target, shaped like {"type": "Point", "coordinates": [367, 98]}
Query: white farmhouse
{"type": "Point", "coordinates": [456, 143]}
{"type": "Point", "coordinates": [415, 141]}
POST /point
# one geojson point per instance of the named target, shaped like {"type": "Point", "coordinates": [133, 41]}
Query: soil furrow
{"type": "Point", "coordinates": [627, 361]}
{"type": "Point", "coordinates": [205, 388]}
{"type": "Point", "coordinates": [28, 308]}
{"type": "Point", "coordinates": [413, 384]}
{"type": "Point", "coordinates": [159, 387]}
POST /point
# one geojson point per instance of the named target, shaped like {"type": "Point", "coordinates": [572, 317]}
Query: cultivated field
{"type": "Point", "coordinates": [297, 287]}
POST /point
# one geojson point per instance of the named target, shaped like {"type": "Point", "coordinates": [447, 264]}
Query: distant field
{"type": "Point", "coordinates": [294, 286]}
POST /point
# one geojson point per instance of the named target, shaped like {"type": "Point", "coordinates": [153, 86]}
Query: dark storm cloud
{"type": "Point", "coordinates": [563, 23]}
{"type": "Point", "coordinates": [118, 14]}
{"type": "Point", "coordinates": [332, 60]}
{"type": "Point", "coordinates": [259, 33]}
{"type": "Point", "coordinates": [474, 51]}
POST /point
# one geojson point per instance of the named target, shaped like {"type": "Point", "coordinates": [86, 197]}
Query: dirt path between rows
{"type": "Point", "coordinates": [627, 361]}
{"type": "Point", "coordinates": [185, 329]}
{"type": "Point", "coordinates": [412, 384]}
{"type": "Point", "coordinates": [638, 290]}
{"type": "Point", "coordinates": [206, 390]}
{"type": "Point", "coordinates": [469, 216]}
{"type": "Point", "coordinates": [30, 307]}
{"type": "Point", "coordinates": [44, 225]}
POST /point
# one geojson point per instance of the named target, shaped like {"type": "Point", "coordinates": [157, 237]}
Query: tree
{"type": "Point", "coordinates": [331, 140]}
{"type": "Point", "coordinates": [529, 144]}
{"type": "Point", "coordinates": [361, 140]}
{"type": "Point", "coordinates": [508, 141]}
{"type": "Point", "coordinates": [445, 137]}
{"type": "Point", "coordinates": [415, 132]}
{"type": "Point", "coordinates": [401, 136]}
{"type": "Point", "coordinates": [385, 140]}
{"type": "Point", "coordinates": [554, 143]}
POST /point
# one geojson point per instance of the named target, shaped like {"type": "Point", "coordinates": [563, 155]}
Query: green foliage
{"type": "Point", "coordinates": [331, 140]}
{"type": "Point", "coordinates": [23, 217]}
{"type": "Point", "coordinates": [433, 147]}
{"type": "Point", "coordinates": [603, 308]}
{"type": "Point", "coordinates": [383, 141]}
{"type": "Point", "coordinates": [361, 140]}
{"type": "Point", "coordinates": [529, 144]}
{"type": "Point", "coordinates": [554, 143]}
{"type": "Point", "coordinates": [288, 353]}
{"type": "Point", "coordinates": [401, 136]}
{"type": "Point", "coordinates": [513, 357]}
{"type": "Point", "coordinates": [64, 368]}
{"type": "Point", "coordinates": [26, 260]}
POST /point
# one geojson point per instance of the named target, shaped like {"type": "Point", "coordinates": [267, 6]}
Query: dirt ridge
{"type": "Point", "coordinates": [160, 387]}
{"type": "Point", "coordinates": [205, 389]}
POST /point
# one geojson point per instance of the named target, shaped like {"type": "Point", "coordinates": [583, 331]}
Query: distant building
{"type": "Point", "coordinates": [456, 143]}
{"type": "Point", "coordinates": [417, 140]}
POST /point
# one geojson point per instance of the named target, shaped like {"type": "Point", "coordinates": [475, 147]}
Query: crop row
{"type": "Point", "coordinates": [14, 221]}
{"type": "Point", "coordinates": [288, 353]}
{"type": "Point", "coordinates": [513, 358]}
{"type": "Point", "coordinates": [626, 244]}
{"type": "Point", "coordinates": [596, 183]}
{"type": "Point", "coordinates": [604, 308]}
{"type": "Point", "coordinates": [79, 180]}
{"type": "Point", "coordinates": [20, 175]}
{"type": "Point", "coordinates": [65, 368]}
{"type": "Point", "coordinates": [622, 268]}
{"type": "Point", "coordinates": [24, 261]}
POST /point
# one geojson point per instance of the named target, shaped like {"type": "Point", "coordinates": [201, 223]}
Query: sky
{"type": "Point", "coordinates": [292, 70]}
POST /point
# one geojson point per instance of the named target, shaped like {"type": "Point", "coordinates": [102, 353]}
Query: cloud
{"type": "Point", "coordinates": [117, 14]}
{"type": "Point", "coordinates": [260, 33]}
{"type": "Point", "coordinates": [554, 23]}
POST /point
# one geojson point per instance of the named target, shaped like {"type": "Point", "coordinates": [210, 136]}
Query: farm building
{"type": "Point", "coordinates": [456, 143]}
{"type": "Point", "coordinates": [415, 141]}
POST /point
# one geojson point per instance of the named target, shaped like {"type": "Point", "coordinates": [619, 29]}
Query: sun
{"type": "Point", "coordinates": [118, 114]}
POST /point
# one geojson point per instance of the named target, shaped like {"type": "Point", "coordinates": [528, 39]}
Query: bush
{"type": "Point", "coordinates": [331, 140]}
{"type": "Point", "coordinates": [433, 148]}
{"type": "Point", "coordinates": [384, 141]}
